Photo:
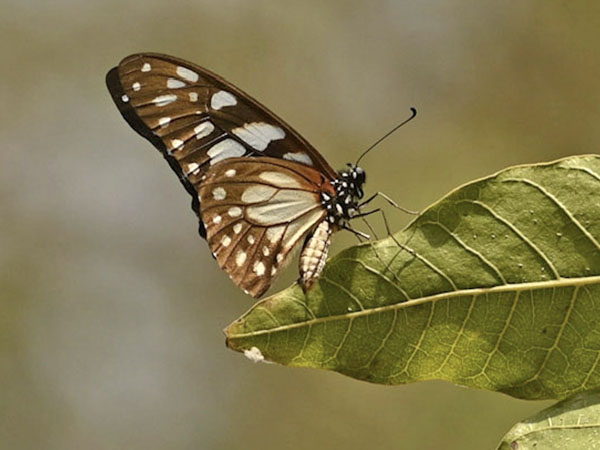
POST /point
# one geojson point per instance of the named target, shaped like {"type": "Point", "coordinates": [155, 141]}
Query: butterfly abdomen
{"type": "Point", "coordinates": [314, 254]}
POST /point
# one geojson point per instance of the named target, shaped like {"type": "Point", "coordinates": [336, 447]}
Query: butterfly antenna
{"type": "Point", "coordinates": [381, 139]}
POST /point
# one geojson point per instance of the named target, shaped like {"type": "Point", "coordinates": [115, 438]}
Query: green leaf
{"type": "Point", "coordinates": [496, 286]}
{"type": "Point", "coordinates": [573, 424]}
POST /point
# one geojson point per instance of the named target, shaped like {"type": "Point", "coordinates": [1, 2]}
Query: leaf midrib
{"type": "Point", "coordinates": [516, 287]}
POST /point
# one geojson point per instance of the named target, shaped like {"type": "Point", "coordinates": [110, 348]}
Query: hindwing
{"type": "Point", "coordinates": [256, 211]}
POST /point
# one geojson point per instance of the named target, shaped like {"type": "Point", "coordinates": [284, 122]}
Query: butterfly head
{"type": "Point", "coordinates": [348, 187]}
{"type": "Point", "coordinates": [355, 177]}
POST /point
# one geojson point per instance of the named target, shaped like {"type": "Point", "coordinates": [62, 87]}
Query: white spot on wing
{"type": "Point", "coordinates": [283, 207]}
{"type": "Point", "coordinates": [266, 251]}
{"type": "Point", "coordinates": [174, 83]}
{"type": "Point", "coordinates": [240, 258]}
{"type": "Point", "coordinates": [193, 96]}
{"type": "Point", "coordinates": [274, 234]}
{"type": "Point", "coordinates": [258, 193]}
{"type": "Point", "coordinates": [219, 193]}
{"type": "Point", "coordinates": [300, 157]}
{"type": "Point", "coordinates": [279, 257]}
{"type": "Point", "coordinates": [187, 74]}
{"type": "Point", "coordinates": [225, 149]}
{"type": "Point", "coordinates": [273, 270]}
{"type": "Point", "coordinates": [192, 167]}
{"type": "Point", "coordinates": [204, 129]}
{"type": "Point", "coordinates": [164, 121]}
{"type": "Point", "coordinates": [217, 219]}
{"type": "Point", "coordinates": [259, 268]}
{"type": "Point", "coordinates": [222, 99]}
{"type": "Point", "coordinates": [298, 228]}
{"type": "Point", "coordinates": [230, 173]}
{"type": "Point", "coordinates": [136, 86]}
{"type": "Point", "coordinates": [250, 239]}
{"type": "Point", "coordinates": [235, 211]}
{"type": "Point", "coordinates": [225, 241]}
{"type": "Point", "coordinates": [125, 98]}
{"type": "Point", "coordinates": [258, 135]}
{"type": "Point", "coordinates": [146, 67]}
{"type": "Point", "coordinates": [279, 179]}
{"type": "Point", "coordinates": [237, 228]}
{"type": "Point", "coordinates": [163, 100]}
{"type": "Point", "coordinates": [176, 144]}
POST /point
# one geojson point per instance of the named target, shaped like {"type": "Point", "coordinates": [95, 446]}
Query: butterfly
{"type": "Point", "coordinates": [259, 189]}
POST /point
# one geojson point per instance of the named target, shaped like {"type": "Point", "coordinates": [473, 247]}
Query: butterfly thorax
{"type": "Point", "coordinates": [343, 205]}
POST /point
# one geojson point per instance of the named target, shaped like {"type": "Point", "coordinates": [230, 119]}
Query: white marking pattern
{"type": "Point", "coordinates": [258, 135]}
{"type": "Point", "coordinates": [176, 144]}
{"type": "Point", "coordinates": [164, 100]}
{"type": "Point", "coordinates": [240, 258]}
{"type": "Point", "coordinates": [219, 193]}
{"type": "Point", "coordinates": [204, 129]}
{"type": "Point", "coordinates": [300, 157]}
{"type": "Point", "coordinates": [187, 74]}
{"type": "Point", "coordinates": [259, 268]}
{"type": "Point", "coordinates": [279, 179]}
{"type": "Point", "coordinates": [258, 193]}
{"type": "Point", "coordinates": [235, 211]}
{"type": "Point", "coordinates": [174, 83]}
{"type": "Point", "coordinates": [221, 99]}
{"type": "Point", "coordinates": [225, 149]}
{"type": "Point", "coordinates": [225, 241]}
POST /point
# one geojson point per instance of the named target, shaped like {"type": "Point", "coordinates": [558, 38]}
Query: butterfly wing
{"type": "Point", "coordinates": [197, 119]}
{"type": "Point", "coordinates": [256, 210]}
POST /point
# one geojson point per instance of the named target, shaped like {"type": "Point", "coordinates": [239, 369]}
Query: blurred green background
{"type": "Point", "coordinates": [111, 305]}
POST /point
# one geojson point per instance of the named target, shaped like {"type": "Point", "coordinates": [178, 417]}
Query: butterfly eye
{"type": "Point", "coordinates": [361, 175]}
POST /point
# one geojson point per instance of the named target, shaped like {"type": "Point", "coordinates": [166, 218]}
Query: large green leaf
{"type": "Point", "coordinates": [573, 424]}
{"type": "Point", "coordinates": [496, 286]}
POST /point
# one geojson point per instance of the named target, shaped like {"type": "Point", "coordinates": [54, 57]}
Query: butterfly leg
{"type": "Point", "coordinates": [357, 233]}
{"type": "Point", "coordinates": [362, 216]}
{"type": "Point", "coordinates": [402, 247]}
{"type": "Point", "coordinates": [389, 200]}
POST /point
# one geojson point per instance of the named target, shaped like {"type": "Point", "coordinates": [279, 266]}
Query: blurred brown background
{"type": "Point", "coordinates": [111, 306]}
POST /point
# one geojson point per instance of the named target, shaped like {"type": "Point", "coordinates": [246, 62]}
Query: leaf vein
{"type": "Point", "coordinates": [379, 274]}
{"type": "Point", "coordinates": [459, 334]}
{"type": "Point", "coordinates": [344, 290]}
{"type": "Point", "coordinates": [554, 345]}
{"type": "Point", "coordinates": [560, 206]}
{"type": "Point", "coordinates": [507, 288]}
{"type": "Point", "coordinates": [384, 340]}
{"type": "Point", "coordinates": [519, 233]}
{"type": "Point", "coordinates": [471, 250]}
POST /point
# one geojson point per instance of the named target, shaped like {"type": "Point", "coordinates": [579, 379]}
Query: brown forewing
{"type": "Point", "coordinates": [171, 124]}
